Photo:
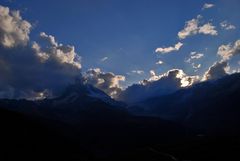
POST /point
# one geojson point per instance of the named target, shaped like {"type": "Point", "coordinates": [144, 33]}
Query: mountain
{"type": "Point", "coordinates": [77, 100]}
{"type": "Point", "coordinates": [82, 124]}
{"type": "Point", "coordinates": [198, 123]}
{"type": "Point", "coordinates": [211, 107]}
{"type": "Point", "coordinates": [78, 93]}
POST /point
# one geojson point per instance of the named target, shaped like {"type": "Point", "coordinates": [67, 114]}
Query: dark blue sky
{"type": "Point", "coordinates": [128, 32]}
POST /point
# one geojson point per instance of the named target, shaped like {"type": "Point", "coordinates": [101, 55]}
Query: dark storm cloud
{"type": "Point", "coordinates": [32, 69]}
{"type": "Point", "coordinates": [24, 71]}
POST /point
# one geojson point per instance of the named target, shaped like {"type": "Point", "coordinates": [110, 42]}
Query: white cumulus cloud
{"type": "Point", "coordinates": [52, 51]}
{"type": "Point", "coordinates": [193, 27]}
{"type": "Point", "coordinates": [216, 71]}
{"type": "Point", "coordinates": [208, 29]}
{"type": "Point", "coordinates": [163, 50]}
{"type": "Point", "coordinates": [107, 82]}
{"type": "Point", "coordinates": [190, 28]}
{"type": "Point", "coordinates": [14, 30]}
{"type": "Point", "coordinates": [229, 50]}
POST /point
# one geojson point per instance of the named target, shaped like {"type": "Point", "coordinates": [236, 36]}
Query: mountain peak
{"type": "Point", "coordinates": [81, 92]}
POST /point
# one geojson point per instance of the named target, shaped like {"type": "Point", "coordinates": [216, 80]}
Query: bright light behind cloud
{"type": "Point", "coordinates": [108, 82]}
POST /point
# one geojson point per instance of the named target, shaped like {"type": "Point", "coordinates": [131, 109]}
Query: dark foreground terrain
{"type": "Point", "coordinates": [86, 125]}
{"type": "Point", "coordinates": [140, 139]}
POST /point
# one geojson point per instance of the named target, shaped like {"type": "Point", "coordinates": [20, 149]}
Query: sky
{"type": "Point", "coordinates": [139, 39]}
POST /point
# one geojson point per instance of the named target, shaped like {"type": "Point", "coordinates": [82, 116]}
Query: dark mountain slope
{"type": "Point", "coordinates": [85, 124]}
{"type": "Point", "coordinates": [212, 106]}
{"type": "Point", "coordinates": [79, 126]}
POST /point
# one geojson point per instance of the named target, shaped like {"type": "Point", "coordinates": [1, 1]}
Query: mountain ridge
{"type": "Point", "coordinates": [80, 126]}
{"type": "Point", "coordinates": [195, 105]}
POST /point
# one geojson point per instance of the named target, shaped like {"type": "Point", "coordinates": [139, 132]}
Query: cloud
{"type": "Point", "coordinates": [107, 82]}
{"type": "Point", "coordinates": [235, 71]}
{"type": "Point", "coordinates": [192, 27]}
{"type": "Point", "coordinates": [208, 29]}
{"type": "Point", "coordinates": [216, 71]}
{"type": "Point", "coordinates": [196, 66]}
{"type": "Point", "coordinates": [229, 50]}
{"type": "Point", "coordinates": [14, 30]}
{"type": "Point", "coordinates": [103, 59]}
{"type": "Point", "coordinates": [176, 47]}
{"type": "Point", "coordinates": [227, 26]}
{"type": "Point", "coordinates": [30, 70]}
{"type": "Point", "coordinates": [173, 73]}
{"type": "Point", "coordinates": [222, 68]}
{"type": "Point", "coordinates": [194, 56]}
{"type": "Point", "coordinates": [54, 52]}
{"type": "Point", "coordinates": [33, 70]}
{"type": "Point", "coordinates": [207, 6]}
{"type": "Point", "coordinates": [140, 72]}
{"type": "Point", "coordinates": [157, 85]}
{"type": "Point", "coordinates": [49, 39]}
{"type": "Point", "coordinates": [159, 62]}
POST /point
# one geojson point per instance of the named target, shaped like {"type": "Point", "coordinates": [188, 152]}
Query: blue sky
{"type": "Point", "coordinates": [128, 32]}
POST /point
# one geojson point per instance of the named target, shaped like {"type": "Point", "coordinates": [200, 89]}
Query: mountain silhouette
{"type": "Point", "coordinates": [85, 121]}
{"type": "Point", "coordinates": [211, 106]}
{"type": "Point", "coordinates": [198, 123]}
